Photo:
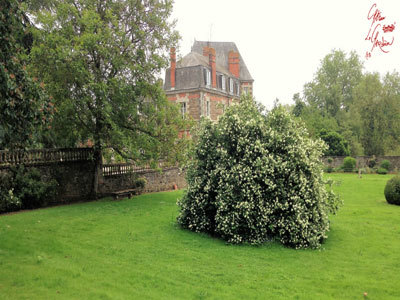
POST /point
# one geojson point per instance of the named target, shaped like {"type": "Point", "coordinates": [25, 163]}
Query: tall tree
{"type": "Point", "coordinates": [24, 105]}
{"type": "Point", "coordinates": [391, 89]}
{"type": "Point", "coordinates": [99, 60]}
{"type": "Point", "coordinates": [368, 96]}
{"type": "Point", "coordinates": [331, 90]}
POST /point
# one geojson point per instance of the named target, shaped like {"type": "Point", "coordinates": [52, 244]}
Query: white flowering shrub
{"type": "Point", "coordinates": [257, 176]}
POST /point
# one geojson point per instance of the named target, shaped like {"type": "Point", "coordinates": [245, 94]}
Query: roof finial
{"type": "Point", "coordinates": [210, 38]}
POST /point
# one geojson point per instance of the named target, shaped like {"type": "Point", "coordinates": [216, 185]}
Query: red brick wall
{"type": "Point", "coordinates": [233, 63]}
{"type": "Point", "coordinates": [192, 100]}
{"type": "Point", "coordinates": [193, 103]}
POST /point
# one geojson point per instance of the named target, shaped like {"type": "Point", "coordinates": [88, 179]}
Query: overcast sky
{"type": "Point", "coordinates": [283, 42]}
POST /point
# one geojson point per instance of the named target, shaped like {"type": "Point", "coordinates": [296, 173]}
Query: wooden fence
{"type": "Point", "coordinates": [39, 156]}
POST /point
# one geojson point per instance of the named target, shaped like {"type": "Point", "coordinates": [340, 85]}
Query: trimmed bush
{"type": "Point", "coordinates": [392, 191]}
{"type": "Point", "coordinates": [140, 182]}
{"type": "Point", "coordinates": [256, 176]}
{"type": "Point", "coordinates": [372, 162]}
{"type": "Point", "coordinates": [385, 164]}
{"type": "Point", "coordinates": [382, 171]}
{"type": "Point", "coordinates": [329, 169]}
{"type": "Point", "coordinates": [349, 164]}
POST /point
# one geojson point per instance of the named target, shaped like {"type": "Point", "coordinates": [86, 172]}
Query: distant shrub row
{"type": "Point", "coordinates": [349, 165]}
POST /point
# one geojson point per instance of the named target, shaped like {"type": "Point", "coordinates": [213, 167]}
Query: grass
{"type": "Point", "coordinates": [133, 249]}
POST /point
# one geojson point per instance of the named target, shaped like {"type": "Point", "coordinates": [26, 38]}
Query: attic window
{"type": "Point", "coordinates": [207, 77]}
{"type": "Point", "coordinates": [231, 85]}
{"type": "Point", "coordinates": [221, 82]}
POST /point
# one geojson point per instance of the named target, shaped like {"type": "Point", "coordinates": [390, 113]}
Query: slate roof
{"type": "Point", "coordinates": [195, 59]}
{"type": "Point", "coordinates": [222, 49]}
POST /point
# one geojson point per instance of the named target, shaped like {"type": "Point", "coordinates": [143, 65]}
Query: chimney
{"type": "Point", "coordinates": [173, 67]}
{"type": "Point", "coordinates": [213, 67]}
{"type": "Point", "coordinates": [206, 51]}
{"type": "Point", "coordinates": [233, 62]}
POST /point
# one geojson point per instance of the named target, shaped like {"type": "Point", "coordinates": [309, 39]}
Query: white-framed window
{"type": "Point", "coordinates": [231, 85]}
{"type": "Point", "coordinates": [207, 77]}
{"type": "Point", "coordinates": [208, 108]}
{"type": "Point", "coordinates": [238, 89]}
{"type": "Point", "coordinates": [246, 90]}
{"type": "Point", "coordinates": [183, 109]}
{"type": "Point", "coordinates": [223, 87]}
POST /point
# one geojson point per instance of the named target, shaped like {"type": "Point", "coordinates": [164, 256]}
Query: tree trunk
{"type": "Point", "coordinates": [98, 172]}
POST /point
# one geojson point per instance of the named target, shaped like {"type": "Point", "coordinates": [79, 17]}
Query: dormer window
{"type": "Point", "coordinates": [231, 85]}
{"type": "Point", "coordinates": [207, 77]}
{"type": "Point", "coordinates": [221, 84]}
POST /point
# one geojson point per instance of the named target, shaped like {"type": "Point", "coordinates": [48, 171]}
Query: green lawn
{"type": "Point", "coordinates": [133, 249]}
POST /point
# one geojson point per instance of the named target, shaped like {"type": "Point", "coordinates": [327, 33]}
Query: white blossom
{"type": "Point", "coordinates": [257, 176]}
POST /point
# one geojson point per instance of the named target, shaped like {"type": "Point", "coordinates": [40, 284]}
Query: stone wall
{"type": "Point", "coordinates": [164, 181]}
{"type": "Point", "coordinates": [156, 181]}
{"type": "Point", "coordinates": [74, 170]}
{"type": "Point", "coordinates": [362, 161]}
{"type": "Point", "coordinates": [75, 178]}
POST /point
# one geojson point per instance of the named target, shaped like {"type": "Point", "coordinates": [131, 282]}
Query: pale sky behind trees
{"type": "Point", "coordinates": [283, 42]}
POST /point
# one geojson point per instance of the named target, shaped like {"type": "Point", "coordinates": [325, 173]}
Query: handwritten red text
{"type": "Point", "coordinates": [377, 33]}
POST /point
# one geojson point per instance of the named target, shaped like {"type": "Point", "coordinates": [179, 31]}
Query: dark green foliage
{"type": "Point", "coordinates": [24, 106]}
{"type": "Point", "coordinates": [382, 171]}
{"type": "Point", "coordinates": [329, 169]}
{"type": "Point", "coordinates": [337, 145]}
{"type": "Point", "coordinates": [392, 190]}
{"type": "Point", "coordinates": [140, 183]}
{"type": "Point", "coordinates": [25, 188]}
{"type": "Point", "coordinates": [385, 164]}
{"type": "Point", "coordinates": [100, 60]}
{"type": "Point", "coordinates": [349, 164]}
{"type": "Point", "coordinates": [372, 162]}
